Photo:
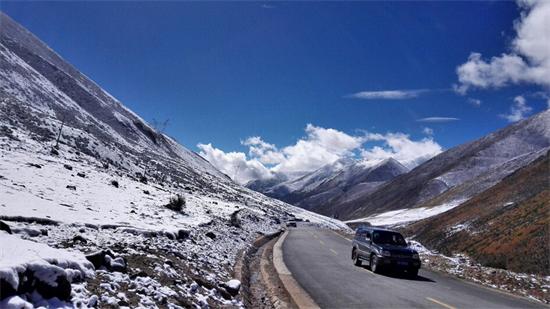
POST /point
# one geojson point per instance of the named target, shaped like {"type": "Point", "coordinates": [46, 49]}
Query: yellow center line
{"type": "Point", "coordinates": [315, 236]}
{"type": "Point", "coordinates": [440, 303]}
{"type": "Point", "coordinates": [336, 253]}
{"type": "Point", "coordinates": [322, 242]}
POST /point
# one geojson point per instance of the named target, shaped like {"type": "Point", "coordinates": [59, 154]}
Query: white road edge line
{"type": "Point", "coordinates": [298, 295]}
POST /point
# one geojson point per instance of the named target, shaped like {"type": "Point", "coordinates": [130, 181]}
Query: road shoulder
{"type": "Point", "coordinates": [300, 298]}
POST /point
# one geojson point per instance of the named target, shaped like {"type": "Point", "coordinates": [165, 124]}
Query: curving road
{"type": "Point", "coordinates": [320, 261]}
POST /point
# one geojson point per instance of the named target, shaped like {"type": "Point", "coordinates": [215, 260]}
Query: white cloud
{"type": "Point", "coordinates": [400, 147]}
{"type": "Point", "coordinates": [264, 152]}
{"type": "Point", "coordinates": [528, 61]}
{"type": "Point", "coordinates": [437, 119]}
{"type": "Point", "coordinates": [387, 94]}
{"type": "Point", "coordinates": [234, 164]}
{"type": "Point", "coordinates": [518, 111]}
{"type": "Point", "coordinates": [320, 146]}
{"type": "Point", "coordinates": [474, 102]}
{"type": "Point", "coordinates": [428, 131]}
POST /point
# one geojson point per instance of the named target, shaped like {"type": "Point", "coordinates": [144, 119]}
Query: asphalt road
{"type": "Point", "coordinates": [320, 261]}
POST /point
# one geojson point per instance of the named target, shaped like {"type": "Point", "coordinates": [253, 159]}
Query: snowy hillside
{"type": "Point", "coordinates": [116, 213]}
{"type": "Point", "coordinates": [505, 226]}
{"type": "Point", "coordinates": [458, 173]}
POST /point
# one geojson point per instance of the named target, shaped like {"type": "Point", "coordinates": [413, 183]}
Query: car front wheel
{"type": "Point", "coordinates": [355, 258]}
{"type": "Point", "coordinates": [374, 264]}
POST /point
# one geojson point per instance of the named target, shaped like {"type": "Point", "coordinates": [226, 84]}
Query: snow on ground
{"type": "Point", "coordinates": [68, 206]}
{"type": "Point", "coordinates": [402, 216]}
{"type": "Point", "coordinates": [17, 253]}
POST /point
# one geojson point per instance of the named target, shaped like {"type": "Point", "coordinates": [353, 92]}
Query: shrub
{"type": "Point", "coordinates": [176, 203]}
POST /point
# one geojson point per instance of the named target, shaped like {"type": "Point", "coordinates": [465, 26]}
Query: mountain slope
{"type": "Point", "coordinates": [506, 226]}
{"type": "Point", "coordinates": [458, 173]}
{"type": "Point", "coordinates": [40, 90]}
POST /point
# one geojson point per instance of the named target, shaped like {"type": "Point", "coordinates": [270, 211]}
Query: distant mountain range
{"type": "Point", "coordinates": [334, 184]}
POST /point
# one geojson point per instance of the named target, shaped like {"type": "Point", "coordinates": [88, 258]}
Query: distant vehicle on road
{"type": "Point", "coordinates": [384, 249]}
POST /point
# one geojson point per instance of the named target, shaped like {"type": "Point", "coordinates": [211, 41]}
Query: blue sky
{"type": "Point", "coordinates": [224, 72]}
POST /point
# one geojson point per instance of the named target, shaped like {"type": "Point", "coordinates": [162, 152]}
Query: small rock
{"type": "Point", "coordinates": [183, 234]}
{"type": "Point", "coordinates": [123, 303]}
{"type": "Point", "coordinates": [71, 187]}
{"type": "Point", "coordinates": [5, 227]}
{"type": "Point", "coordinates": [146, 192]}
{"type": "Point", "coordinates": [107, 259]}
{"type": "Point", "coordinates": [54, 152]}
{"type": "Point", "coordinates": [232, 286]}
{"type": "Point", "coordinates": [80, 239]}
{"type": "Point", "coordinates": [92, 301]}
{"type": "Point", "coordinates": [67, 166]}
{"type": "Point", "coordinates": [81, 175]}
{"type": "Point", "coordinates": [211, 235]}
{"type": "Point", "coordinates": [114, 183]}
{"type": "Point", "coordinates": [141, 273]}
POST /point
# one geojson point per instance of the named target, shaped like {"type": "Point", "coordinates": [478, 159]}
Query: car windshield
{"type": "Point", "coordinates": [388, 238]}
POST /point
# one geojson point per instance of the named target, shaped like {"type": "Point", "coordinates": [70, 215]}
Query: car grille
{"type": "Point", "coordinates": [401, 256]}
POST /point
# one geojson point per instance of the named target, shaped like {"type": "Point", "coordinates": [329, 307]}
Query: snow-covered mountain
{"type": "Point", "coordinates": [342, 181]}
{"type": "Point", "coordinates": [454, 176]}
{"type": "Point", "coordinates": [40, 91]}
{"type": "Point", "coordinates": [116, 213]}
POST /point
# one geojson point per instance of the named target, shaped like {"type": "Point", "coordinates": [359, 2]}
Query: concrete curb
{"type": "Point", "coordinates": [241, 271]}
{"type": "Point", "coordinates": [272, 288]}
{"type": "Point", "coordinates": [298, 295]}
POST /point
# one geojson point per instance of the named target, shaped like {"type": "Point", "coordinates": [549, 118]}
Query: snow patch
{"type": "Point", "coordinates": [402, 216]}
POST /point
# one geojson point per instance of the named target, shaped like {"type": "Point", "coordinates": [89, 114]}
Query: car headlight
{"type": "Point", "coordinates": [386, 253]}
{"type": "Point", "coordinates": [415, 256]}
